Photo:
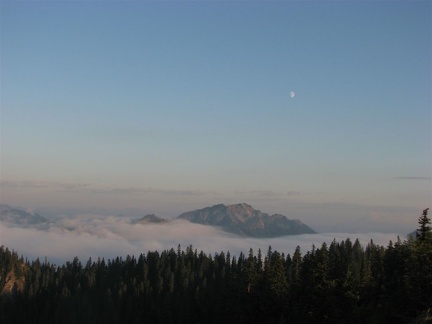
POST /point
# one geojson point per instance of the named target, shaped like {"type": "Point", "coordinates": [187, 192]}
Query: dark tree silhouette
{"type": "Point", "coordinates": [425, 229]}
{"type": "Point", "coordinates": [339, 283]}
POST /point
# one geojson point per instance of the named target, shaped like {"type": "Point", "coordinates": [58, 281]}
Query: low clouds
{"type": "Point", "coordinates": [87, 188]}
{"type": "Point", "coordinates": [118, 190]}
{"type": "Point", "coordinates": [267, 193]}
{"type": "Point", "coordinates": [99, 236]}
{"type": "Point", "coordinates": [138, 190]}
{"type": "Point", "coordinates": [413, 178]}
{"type": "Point", "coordinates": [43, 184]}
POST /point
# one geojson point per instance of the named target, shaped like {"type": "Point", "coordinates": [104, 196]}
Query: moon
{"type": "Point", "coordinates": [292, 94]}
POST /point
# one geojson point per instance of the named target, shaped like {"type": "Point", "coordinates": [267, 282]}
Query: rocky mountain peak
{"type": "Point", "coordinates": [21, 217]}
{"type": "Point", "coordinates": [151, 218]}
{"type": "Point", "coordinates": [243, 219]}
{"type": "Point", "coordinates": [241, 211]}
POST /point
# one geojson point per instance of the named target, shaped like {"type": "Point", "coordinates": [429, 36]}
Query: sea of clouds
{"type": "Point", "coordinates": [93, 236]}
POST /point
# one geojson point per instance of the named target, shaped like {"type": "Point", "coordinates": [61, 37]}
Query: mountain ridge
{"type": "Point", "coordinates": [18, 216]}
{"type": "Point", "coordinates": [242, 219]}
{"type": "Point", "coordinates": [239, 219]}
{"type": "Point", "coordinates": [151, 218]}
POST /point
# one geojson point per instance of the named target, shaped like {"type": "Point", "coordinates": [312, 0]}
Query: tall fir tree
{"type": "Point", "coordinates": [424, 230]}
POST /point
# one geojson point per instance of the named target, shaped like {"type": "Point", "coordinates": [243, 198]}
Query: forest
{"type": "Point", "coordinates": [343, 282]}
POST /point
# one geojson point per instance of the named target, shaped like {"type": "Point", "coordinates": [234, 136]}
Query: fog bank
{"type": "Point", "coordinates": [96, 236]}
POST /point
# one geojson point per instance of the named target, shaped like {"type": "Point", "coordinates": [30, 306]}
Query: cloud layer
{"type": "Point", "coordinates": [96, 236]}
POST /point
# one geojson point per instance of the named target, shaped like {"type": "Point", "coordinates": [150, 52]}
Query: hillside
{"type": "Point", "coordinates": [342, 282]}
{"type": "Point", "coordinates": [151, 219]}
{"type": "Point", "coordinates": [19, 217]}
{"type": "Point", "coordinates": [242, 219]}
{"type": "Point", "coordinates": [239, 219]}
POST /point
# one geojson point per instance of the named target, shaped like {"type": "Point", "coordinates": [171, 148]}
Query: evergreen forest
{"type": "Point", "coordinates": [343, 282]}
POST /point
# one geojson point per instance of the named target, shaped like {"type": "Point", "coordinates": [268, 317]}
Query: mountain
{"type": "Point", "coordinates": [151, 219]}
{"type": "Point", "coordinates": [17, 216]}
{"type": "Point", "coordinates": [242, 219]}
{"type": "Point", "coordinates": [239, 219]}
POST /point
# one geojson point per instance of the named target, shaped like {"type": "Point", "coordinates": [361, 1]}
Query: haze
{"type": "Point", "coordinates": [93, 236]}
{"type": "Point", "coordinates": [137, 107]}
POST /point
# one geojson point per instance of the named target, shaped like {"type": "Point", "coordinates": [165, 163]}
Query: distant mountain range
{"type": "Point", "coordinates": [242, 219]}
{"type": "Point", "coordinates": [152, 218]}
{"type": "Point", "coordinates": [239, 219]}
{"type": "Point", "coordinates": [17, 216]}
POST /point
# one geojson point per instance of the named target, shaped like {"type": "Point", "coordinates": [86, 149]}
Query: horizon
{"type": "Point", "coordinates": [96, 236]}
{"type": "Point", "coordinates": [319, 111]}
{"type": "Point", "coordinates": [330, 224]}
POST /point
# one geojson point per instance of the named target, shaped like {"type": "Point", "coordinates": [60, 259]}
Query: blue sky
{"type": "Point", "coordinates": [171, 106]}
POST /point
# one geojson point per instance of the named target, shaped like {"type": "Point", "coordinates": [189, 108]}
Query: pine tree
{"type": "Point", "coordinates": [424, 231]}
{"type": "Point", "coordinates": [418, 274]}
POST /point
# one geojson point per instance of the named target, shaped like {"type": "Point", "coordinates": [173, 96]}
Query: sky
{"type": "Point", "coordinates": [320, 111]}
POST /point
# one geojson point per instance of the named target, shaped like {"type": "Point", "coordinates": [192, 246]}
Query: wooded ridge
{"type": "Point", "coordinates": [342, 282]}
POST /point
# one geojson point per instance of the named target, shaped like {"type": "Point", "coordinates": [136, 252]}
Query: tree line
{"type": "Point", "coordinates": [342, 282]}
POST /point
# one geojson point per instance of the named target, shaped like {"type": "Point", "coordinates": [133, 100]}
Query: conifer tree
{"type": "Point", "coordinates": [424, 231]}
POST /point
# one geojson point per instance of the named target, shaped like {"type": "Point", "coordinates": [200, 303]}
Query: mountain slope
{"type": "Point", "coordinates": [151, 219]}
{"type": "Point", "coordinates": [20, 217]}
{"type": "Point", "coordinates": [242, 219]}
